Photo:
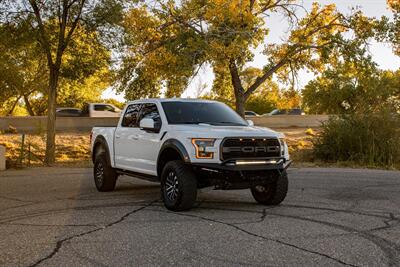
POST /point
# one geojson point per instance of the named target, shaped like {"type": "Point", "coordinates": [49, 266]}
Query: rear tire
{"type": "Point", "coordinates": [274, 193]}
{"type": "Point", "coordinates": [105, 177]}
{"type": "Point", "coordinates": [178, 186]}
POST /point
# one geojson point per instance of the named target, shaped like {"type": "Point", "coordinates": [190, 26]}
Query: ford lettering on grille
{"type": "Point", "coordinates": [239, 148]}
{"type": "Point", "coordinates": [250, 149]}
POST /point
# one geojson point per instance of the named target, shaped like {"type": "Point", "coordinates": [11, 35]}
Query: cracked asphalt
{"type": "Point", "coordinates": [331, 217]}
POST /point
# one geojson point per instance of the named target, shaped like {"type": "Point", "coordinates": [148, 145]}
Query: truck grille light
{"type": "Point", "coordinates": [255, 162]}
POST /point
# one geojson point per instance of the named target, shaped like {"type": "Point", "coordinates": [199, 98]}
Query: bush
{"type": "Point", "coordinates": [371, 139]}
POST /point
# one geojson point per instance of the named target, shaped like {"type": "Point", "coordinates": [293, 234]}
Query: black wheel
{"type": "Point", "coordinates": [178, 186]}
{"type": "Point", "coordinates": [104, 175]}
{"type": "Point", "coordinates": [272, 194]}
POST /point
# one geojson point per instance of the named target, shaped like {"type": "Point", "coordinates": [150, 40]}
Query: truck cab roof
{"type": "Point", "coordinates": [161, 100]}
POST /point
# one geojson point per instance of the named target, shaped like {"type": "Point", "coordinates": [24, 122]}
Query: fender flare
{"type": "Point", "coordinates": [100, 140]}
{"type": "Point", "coordinates": [175, 145]}
{"type": "Point", "coordinates": [178, 146]}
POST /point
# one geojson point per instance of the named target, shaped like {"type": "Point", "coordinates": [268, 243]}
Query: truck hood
{"type": "Point", "coordinates": [210, 131]}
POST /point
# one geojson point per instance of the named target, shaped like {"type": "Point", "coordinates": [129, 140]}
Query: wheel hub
{"type": "Point", "coordinates": [261, 188]}
{"type": "Point", "coordinates": [99, 173]}
{"type": "Point", "coordinates": [171, 186]}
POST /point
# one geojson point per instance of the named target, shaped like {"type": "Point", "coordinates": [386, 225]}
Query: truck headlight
{"type": "Point", "coordinates": [282, 143]}
{"type": "Point", "coordinates": [201, 145]}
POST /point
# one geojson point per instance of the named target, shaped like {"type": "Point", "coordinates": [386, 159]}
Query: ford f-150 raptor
{"type": "Point", "coordinates": [189, 144]}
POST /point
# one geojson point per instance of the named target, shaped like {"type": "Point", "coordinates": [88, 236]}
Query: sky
{"type": "Point", "coordinates": [381, 53]}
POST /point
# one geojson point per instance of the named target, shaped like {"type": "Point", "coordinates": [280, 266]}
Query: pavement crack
{"type": "Point", "coordinates": [389, 249]}
{"type": "Point", "coordinates": [61, 242]}
{"type": "Point", "coordinates": [55, 211]}
{"type": "Point", "coordinates": [267, 238]}
{"type": "Point", "coordinates": [261, 219]}
{"type": "Point", "coordinates": [388, 224]}
{"type": "Point", "coordinates": [17, 199]}
{"type": "Point", "coordinates": [342, 210]}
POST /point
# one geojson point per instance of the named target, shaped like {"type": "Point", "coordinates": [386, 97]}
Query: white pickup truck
{"type": "Point", "coordinates": [189, 144]}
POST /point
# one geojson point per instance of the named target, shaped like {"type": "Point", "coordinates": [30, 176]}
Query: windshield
{"type": "Point", "coordinates": [214, 113]}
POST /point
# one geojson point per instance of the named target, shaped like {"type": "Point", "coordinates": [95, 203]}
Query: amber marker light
{"type": "Point", "coordinates": [201, 145]}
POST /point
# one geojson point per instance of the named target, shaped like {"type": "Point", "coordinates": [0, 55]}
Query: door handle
{"type": "Point", "coordinates": [117, 136]}
{"type": "Point", "coordinates": [133, 137]}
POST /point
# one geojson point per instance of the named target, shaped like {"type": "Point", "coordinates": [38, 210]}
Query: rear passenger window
{"type": "Point", "coordinates": [131, 116]}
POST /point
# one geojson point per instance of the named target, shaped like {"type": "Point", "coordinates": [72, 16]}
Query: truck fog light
{"type": "Point", "coordinates": [202, 145]}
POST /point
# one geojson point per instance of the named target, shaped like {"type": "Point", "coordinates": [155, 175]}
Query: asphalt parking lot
{"type": "Point", "coordinates": [331, 217]}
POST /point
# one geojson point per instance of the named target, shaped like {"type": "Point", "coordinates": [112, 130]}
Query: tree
{"type": "Point", "coordinates": [22, 68]}
{"type": "Point", "coordinates": [167, 43]}
{"type": "Point", "coordinates": [394, 26]}
{"type": "Point", "coordinates": [350, 88]}
{"type": "Point", "coordinates": [54, 24]}
{"type": "Point", "coordinates": [83, 78]}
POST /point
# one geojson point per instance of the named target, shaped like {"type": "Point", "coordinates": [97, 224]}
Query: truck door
{"type": "Point", "coordinates": [126, 140]}
{"type": "Point", "coordinates": [149, 141]}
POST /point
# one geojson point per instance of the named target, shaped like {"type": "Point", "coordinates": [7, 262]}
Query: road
{"type": "Point", "coordinates": [331, 217]}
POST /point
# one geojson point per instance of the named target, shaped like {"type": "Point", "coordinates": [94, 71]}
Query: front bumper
{"type": "Point", "coordinates": [239, 165]}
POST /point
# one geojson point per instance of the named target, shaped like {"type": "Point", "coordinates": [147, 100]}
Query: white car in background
{"type": "Point", "coordinates": [100, 110]}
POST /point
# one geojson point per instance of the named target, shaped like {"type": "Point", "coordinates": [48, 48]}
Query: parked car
{"type": "Point", "coordinates": [293, 111]}
{"type": "Point", "coordinates": [190, 144]}
{"type": "Point", "coordinates": [100, 110]}
{"type": "Point", "coordinates": [68, 112]}
{"type": "Point", "coordinates": [249, 113]}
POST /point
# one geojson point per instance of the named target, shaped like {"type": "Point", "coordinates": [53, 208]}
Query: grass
{"type": "Point", "coordinates": [71, 149]}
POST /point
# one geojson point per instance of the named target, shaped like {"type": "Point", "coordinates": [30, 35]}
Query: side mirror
{"type": "Point", "coordinates": [148, 124]}
{"type": "Point", "coordinates": [250, 122]}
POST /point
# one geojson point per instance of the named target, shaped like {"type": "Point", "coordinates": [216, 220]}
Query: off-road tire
{"type": "Point", "coordinates": [180, 176]}
{"type": "Point", "coordinates": [274, 193]}
{"type": "Point", "coordinates": [104, 175]}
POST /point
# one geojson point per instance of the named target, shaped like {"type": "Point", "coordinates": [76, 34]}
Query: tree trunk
{"type": "Point", "coordinates": [28, 106]}
{"type": "Point", "coordinates": [240, 98]}
{"type": "Point", "coordinates": [13, 106]}
{"type": "Point", "coordinates": [51, 118]}
{"type": "Point", "coordinates": [240, 104]}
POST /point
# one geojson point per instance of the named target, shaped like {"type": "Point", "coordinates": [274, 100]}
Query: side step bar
{"type": "Point", "coordinates": [147, 177]}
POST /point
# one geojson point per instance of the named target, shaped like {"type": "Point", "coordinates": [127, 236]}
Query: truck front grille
{"type": "Point", "coordinates": [249, 148]}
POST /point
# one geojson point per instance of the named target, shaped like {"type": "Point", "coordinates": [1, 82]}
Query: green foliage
{"type": "Point", "coordinates": [351, 87]}
{"type": "Point", "coordinates": [22, 66]}
{"type": "Point", "coordinates": [166, 43]}
{"type": "Point", "coordinates": [370, 139]}
{"type": "Point", "coordinates": [23, 71]}
{"type": "Point", "coordinates": [391, 30]}
{"type": "Point", "coordinates": [75, 93]}
{"type": "Point", "coordinates": [260, 104]}
{"type": "Point", "coordinates": [114, 102]}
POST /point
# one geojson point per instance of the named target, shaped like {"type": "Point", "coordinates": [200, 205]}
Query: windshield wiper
{"type": "Point", "coordinates": [187, 122]}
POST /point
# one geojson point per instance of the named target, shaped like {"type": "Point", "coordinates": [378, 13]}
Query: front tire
{"type": "Point", "coordinates": [178, 186]}
{"type": "Point", "coordinates": [105, 177]}
{"type": "Point", "coordinates": [273, 193]}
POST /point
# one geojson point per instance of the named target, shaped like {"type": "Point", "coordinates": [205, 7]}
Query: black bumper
{"type": "Point", "coordinates": [281, 164]}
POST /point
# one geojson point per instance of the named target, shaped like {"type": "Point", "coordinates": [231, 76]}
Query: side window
{"type": "Point", "coordinates": [131, 116]}
{"type": "Point", "coordinates": [109, 108]}
{"type": "Point", "coordinates": [104, 108]}
{"type": "Point", "coordinates": [99, 107]}
{"type": "Point", "coordinates": [149, 110]}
